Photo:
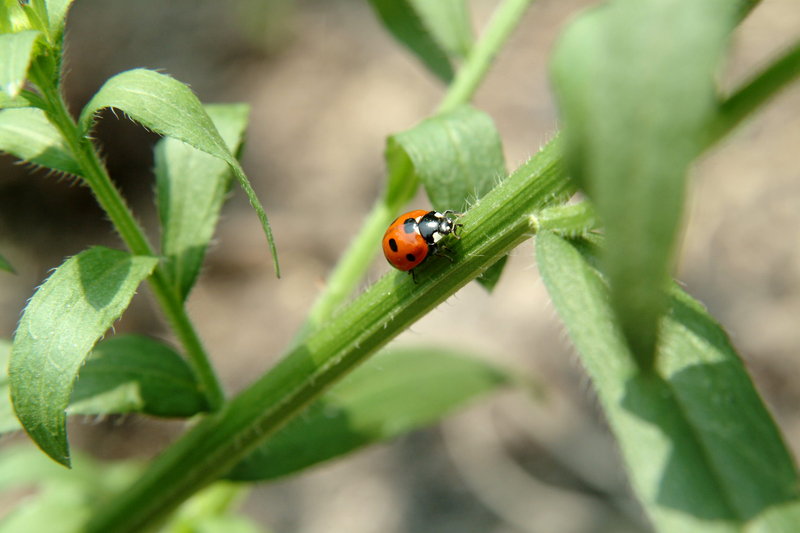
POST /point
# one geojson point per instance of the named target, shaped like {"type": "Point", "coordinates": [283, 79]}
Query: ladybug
{"type": "Point", "coordinates": [415, 235]}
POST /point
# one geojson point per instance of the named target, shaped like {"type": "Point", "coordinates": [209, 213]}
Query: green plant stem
{"type": "Point", "coordinates": [350, 269]}
{"type": "Point", "coordinates": [475, 67]}
{"type": "Point", "coordinates": [132, 234]}
{"type": "Point", "coordinates": [498, 223]}
{"type": "Point", "coordinates": [757, 92]}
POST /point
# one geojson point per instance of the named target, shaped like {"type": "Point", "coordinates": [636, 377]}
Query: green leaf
{"type": "Point", "coordinates": [60, 325]}
{"type": "Point", "coordinates": [402, 20]}
{"type": "Point", "coordinates": [701, 449]}
{"type": "Point", "coordinates": [169, 107]}
{"type": "Point", "coordinates": [12, 17]}
{"type": "Point", "coordinates": [27, 134]}
{"type": "Point", "coordinates": [395, 392]}
{"type": "Point", "coordinates": [458, 157]}
{"type": "Point", "coordinates": [5, 16]}
{"type": "Point", "coordinates": [57, 14]}
{"type": "Point", "coordinates": [448, 23]}
{"type": "Point", "coordinates": [5, 265]}
{"type": "Point", "coordinates": [491, 276]}
{"type": "Point", "coordinates": [36, 12]}
{"type": "Point", "coordinates": [132, 373]}
{"type": "Point", "coordinates": [191, 187]}
{"type": "Point", "coordinates": [16, 49]}
{"type": "Point", "coordinates": [635, 84]}
{"type": "Point", "coordinates": [122, 375]}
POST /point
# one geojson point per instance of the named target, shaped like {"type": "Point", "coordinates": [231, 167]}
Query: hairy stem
{"type": "Point", "coordinates": [756, 92]}
{"type": "Point", "coordinates": [498, 223]}
{"type": "Point", "coordinates": [477, 64]}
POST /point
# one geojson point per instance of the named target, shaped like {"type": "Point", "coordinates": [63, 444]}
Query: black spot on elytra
{"type": "Point", "coordinates": [393, 245]}
{"type": "Point", "coordinates": [409, 225]}
{"type": "Point", "coordinates": [411, 257]}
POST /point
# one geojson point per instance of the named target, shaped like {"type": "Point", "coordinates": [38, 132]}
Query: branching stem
{"type": "Point", "coordinates": [109, 198]}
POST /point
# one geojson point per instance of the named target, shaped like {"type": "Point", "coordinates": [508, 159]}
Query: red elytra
{"type": "Point", "coordinates": [403, 245]}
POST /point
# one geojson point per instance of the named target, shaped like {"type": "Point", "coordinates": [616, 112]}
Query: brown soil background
{"type": "Point", "coordinates": [326, 85]}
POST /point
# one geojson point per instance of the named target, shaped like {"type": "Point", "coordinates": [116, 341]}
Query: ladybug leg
{"type": "Point", "coordinates": [413, 276]}
{"type": "Point", "coordinates": [441, 250]}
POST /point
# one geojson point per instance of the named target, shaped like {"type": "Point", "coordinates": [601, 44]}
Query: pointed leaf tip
{"type": "Point", "coordinates": [168, 107]}
{"type": "Point", "coordinates": [191, 187]}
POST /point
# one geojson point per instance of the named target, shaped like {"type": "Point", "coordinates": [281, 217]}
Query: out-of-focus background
{"type": "Point", "coordinates": [327, 84]}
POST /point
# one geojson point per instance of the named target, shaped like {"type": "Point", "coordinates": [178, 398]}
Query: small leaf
{"type": "Point", "coordinates": [636, 88]}
{"type": "Point", "coordinates": [401, 18]}
{"type": "Point", "coordinates": [394, 393]}
{"type": "Point", "coordinates": [60, 325]}
{"type": "Point", "coordinates": [458, 157]}
{"type": "Point", "coordinates": [16, 49]}
{"type": "Point", "coordinates": [169, 107]}
{"type": "Point", "coordinates": [491, 276]}
{"type": "Point", "coordinates": [5, 265]}
{"type": "Point", "coordinates": [131, 373]}
{"type": "Point", "coordinates": [27, 134]}
{"type": "Point", "coordinates": [701, 449]}
{"type": "Point", "coordinates": [191, 187]}
{"type": "Point", "coordinates": [448, 22]}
